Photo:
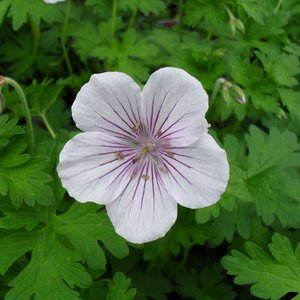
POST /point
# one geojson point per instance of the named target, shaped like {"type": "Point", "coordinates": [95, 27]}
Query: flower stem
{"type": "Point", "coordinates": [216, 89]}
{"type": "Point", "coordinates": [277, 6]}
{"type": "Point", "coordinates": [48, 126]}
{"type": "Point", "coordinates": [134, 14]}
{"type": "Point", "coordinates": [113, 17]}
{"type": "Point", "coordinates": [36, 43]}
{"type": "Point", "coordinates": [22, 97]}
{"type": "Point", "coordinates": [63, 38]}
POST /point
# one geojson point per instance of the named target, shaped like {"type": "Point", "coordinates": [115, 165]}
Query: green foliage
{"type": "Point", "coordinates": [209, 284]}
{"type": "Point", "coordinates": [22, 176]}
{"type": "Point", "coordinates": [54, 267]}
{"type": "Point", "coordinates": [35, 10]}
{"type": "Point", "coordinates": [55, 248]}
{"type": "Point", "coordinates": [118, 288]}
{"type": "Point", "coordinates": [273, 274]}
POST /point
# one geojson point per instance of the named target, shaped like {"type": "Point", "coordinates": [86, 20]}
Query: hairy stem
{"type": "Point", "coordinates": [48, 126]}
{"type": "Point", "coordinates": [277, 6]}
{"type": "Point", "coordinates": [22, 97]}
{"type": "Point", "coordinates": [216, 89]}
{"type": "Point", "coordinates": [133, 16]}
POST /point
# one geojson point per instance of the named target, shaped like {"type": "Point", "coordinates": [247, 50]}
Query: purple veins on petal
{"type": "Point", "coordinates": [143, 152]}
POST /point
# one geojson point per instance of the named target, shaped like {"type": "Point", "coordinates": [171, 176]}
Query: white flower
{"type": "Point", "coordinates": [53, 1]}
{"type": "Point", "coordinates": [143, 152]}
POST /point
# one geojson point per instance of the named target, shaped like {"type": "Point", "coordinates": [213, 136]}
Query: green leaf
{"type": "Point", "coordinates": [145, 281]}
{"type": "Point", "coordinates": [291, 99]}
{"type": "Point", "coordinates": [258, 87]}
{"type": "Point", "coordinates": [271, 175]}
{"type": "Point", "coordinates": [152, 6]}
{"type": "Point", "coordinates": [207, 284]}
{"type": "Point", "coordinates": [118, 288]}
{"type": "Point", "coordinates": [42, 96]}
{"type": "Point", "coordinates": [282, 67]}
{"type": "Point", "coordinates": [256, 9]}
{"type": "Point", "coordinates": [184, 234]}
{"type": "Point", "coordinates": [24, 217]}
{"type": "Point", "coordinates": [21, 11]}
{"type": "Point", "coordinates": [14, 245]}
{"type": "Point", "coordinates": [145, 6]}
{"type": "Point", "coordinates": [84, 227]}
{"type": "Point", "coordinates": [4, 5]}
{"type": "Point", "coordinates": [51, 274]}
{"type": "Point", "coordinates": [229, 222]}
{"type": "Point", "coordinates": [273, 274]}
{"type": "Point", "coordinates": [8, 129]}
{"type": "Point", "coordinates": [23, 176]}
{"type": "Point", "coordinates": [131, 55]}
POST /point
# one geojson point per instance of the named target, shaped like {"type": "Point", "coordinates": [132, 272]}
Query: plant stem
{"type": "Point", "coordinates": [134, 14]}
{"type": "Point", "coordinates": [113, 17]}
{"type": "Point", "coordinates": [216, 89]}
{"type": "Point", "coordinates": [36, 43]}
{"type": "Point", "coordinates": [48, 126]}
{"type": "Point", "coordinates": [22, 97]}
{"type": "Point", "coordinates": [63, 38]}
{"type": "Point", "coordinates": [277, 6]}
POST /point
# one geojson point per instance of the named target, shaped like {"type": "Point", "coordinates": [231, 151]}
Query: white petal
{"type": "Point", "coordinates": [145, 211]}
{"type": "Point", "coordinates": [174, 104]}
{"type": "Point", "coordinates": [53, 1]}
{"type": "Point", "coordinates": [95, 167]}
{"type": "Point", "coordinates": [108, 103]}
{"type": "Point", "coordinates": [197, 174]}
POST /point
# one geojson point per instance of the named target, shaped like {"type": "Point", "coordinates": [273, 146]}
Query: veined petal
{"type": "Point", "coordinates": [197, 174]}
{"type": "Point", "coordinates": [108, 103]}
{"type": "Point", "coordinates": [145, 211]}
{"type": "Point", "coordinates": [173, 105]}
{"type": "Point", "coordinates": [94, 166]}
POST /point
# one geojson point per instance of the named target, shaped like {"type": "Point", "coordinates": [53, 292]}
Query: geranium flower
{"type": "Point", "coordinates": [143, 152]}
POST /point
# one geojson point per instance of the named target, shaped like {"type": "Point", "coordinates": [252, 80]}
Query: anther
{"type": "Point", "coordinates": [159, 132]}
{"type": "Point", "coordinates": [145, 177]}
{"type": "Point", "coordinates": [136, 127]}
{"type": "Point", "coordinates": [163, 170]}
{"type": "Point", "coordinates": [165, 141]}
{"type": "Point", "coordinates": [133, 175]}
{"type": "Point", "coordinates": [170, 154]}
{"type": "Point", "coordinates": [119, 155]}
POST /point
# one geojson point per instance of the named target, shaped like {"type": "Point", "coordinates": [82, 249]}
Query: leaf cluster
{"type": "Point", "coordinates": [55, 248]}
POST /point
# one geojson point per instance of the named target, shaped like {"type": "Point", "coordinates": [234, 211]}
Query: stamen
{"type": "Point", "coordinates": [159, 132]}
{"type": "Point", "coordinates": [163, 170]}
{"type": "Point", "coordinates": [136, 127]}
{"type": "Point", "coordinates": [165, 141]}
{"type": "Point", "coordinates": [133, 174]}
{"type": "Point", "coordinates": [145, 177]}
{"type": "Point", "coordinates": [170, 154]}
{"type": "Point", "coordinates": [119, 155]}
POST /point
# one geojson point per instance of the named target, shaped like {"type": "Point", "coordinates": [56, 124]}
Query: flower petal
{"type": "Point", "coordinates": [94, 166]}
{"type": "Point", "coordinates": [174, 104]}
{"type": "Point", "coordinates": [108, 103]}
{"type": "Point", "coordinates": [145, 211]}
{"type": "Point", "coordinates": [196, 175]}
